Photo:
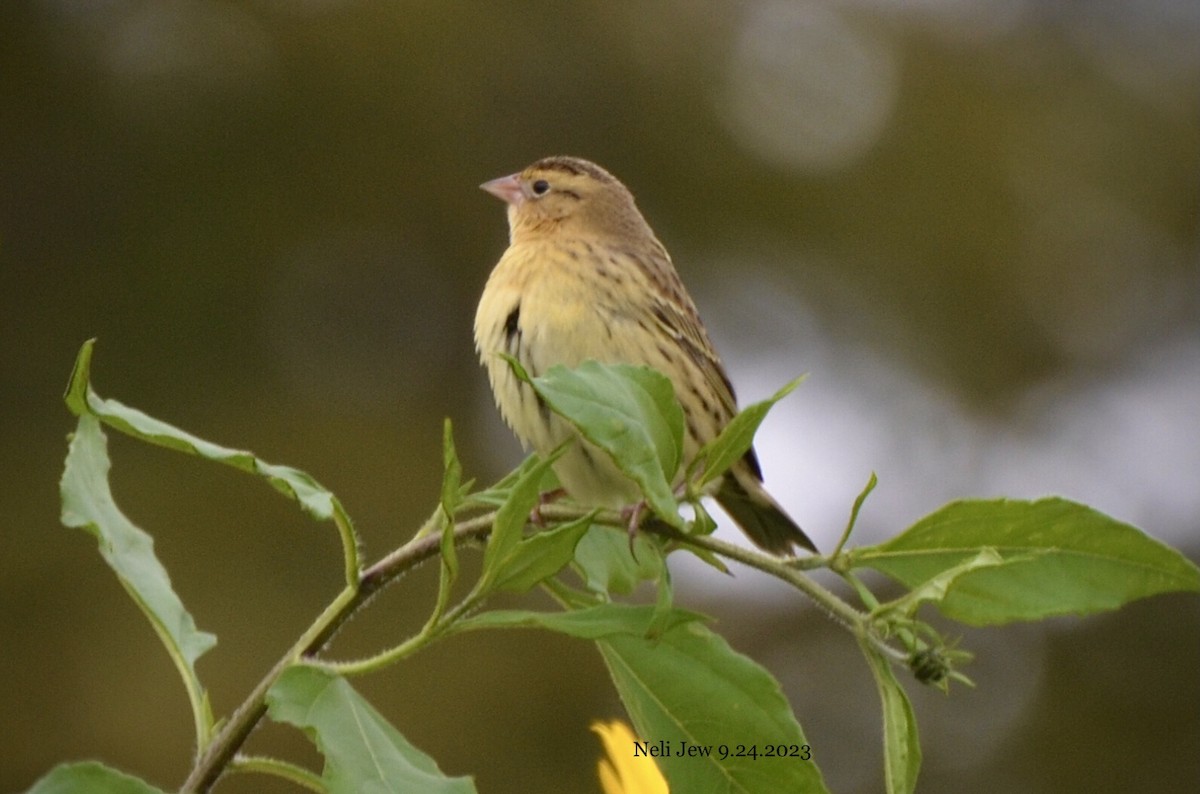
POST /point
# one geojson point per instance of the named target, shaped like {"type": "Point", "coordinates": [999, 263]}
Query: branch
{"type": "Point", "coordinates": [787, 570]}
{"type": "Point", "coordinates": [221, 751]}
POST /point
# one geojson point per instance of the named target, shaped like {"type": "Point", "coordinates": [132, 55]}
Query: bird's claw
{"type": "Point", "coordinates": [633, 520]}
{"type": "Point", "coordinates": [535, 515]}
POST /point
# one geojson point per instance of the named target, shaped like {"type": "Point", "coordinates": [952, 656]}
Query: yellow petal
{"type": "Point", "coordinates": [622, 772]}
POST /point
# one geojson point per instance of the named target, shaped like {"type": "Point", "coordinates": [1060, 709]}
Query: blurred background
{"type": "Point", "coordinates": [975, 224]}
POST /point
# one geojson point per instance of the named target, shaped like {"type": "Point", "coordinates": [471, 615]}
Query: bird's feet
{"type": "Point", "coordinates": [549, 497]}
{"type": "Point", "coordinates": [633, 520]}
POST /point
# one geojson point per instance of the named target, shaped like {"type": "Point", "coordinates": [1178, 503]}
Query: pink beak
{"type": "Point", "coordinates": [506, 188]}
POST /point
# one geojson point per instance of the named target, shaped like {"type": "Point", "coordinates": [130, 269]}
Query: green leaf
{"type": "Point", "coordinates": [629, 412]}
{"type": "Point", "coordinates": [704, 524]}
{"type": "Point", "coordinates": [540, 556]}
{"type": "Point", "coordinates": [452, 487]}
{"type": "Point", "coordinates": [872, 481]}
{"type": "Point", "coordinates": [607, 566]}
{"type": "Point", "coordinates": [78, 387]}
{"type": "Point", "coordinates": [664, 605]}
{"type": "Point", "coordinates": [935, 589]}
{"type": "Point", "coordinates": [82, 399]}
{"type": "Point", "coordinates": [88, 504]}
{"type": "Point", "coordinates": [589, 623]}
{"type": "Point", "coordinates": [363, 752]}
{"type": "Point", "coordinates": [496, 495]}
{"type": "Point", "coordinates": [90, 777]}
{"type": "Point", "coordinates": [511, 518]}
{"type": "Point", "coordinates": [452, 496]}
{"type": "Point", "coordinates": [690, 686]}
{"type": "Point", "coordinates": [901, 742]}
{"type": "Point", "coordinates": [448, 572]}
{"type": "Point", "coordinates": [1060, 558]}
{"type": "Point", "coordinates": [732, 443]}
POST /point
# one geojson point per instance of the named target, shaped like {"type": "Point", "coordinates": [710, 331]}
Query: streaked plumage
{"type": "Point", "coordinates": [584, 277]}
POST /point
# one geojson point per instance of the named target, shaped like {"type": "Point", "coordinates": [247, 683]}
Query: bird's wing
{"type": "Point", "coordinates": [677, 317]}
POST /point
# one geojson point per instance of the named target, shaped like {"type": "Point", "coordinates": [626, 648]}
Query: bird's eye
{"type": "Point", "coordinates": [540, 187]}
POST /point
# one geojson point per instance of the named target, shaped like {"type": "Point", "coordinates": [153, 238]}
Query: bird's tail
{"type": "Point", "coordinates": [760, 516]}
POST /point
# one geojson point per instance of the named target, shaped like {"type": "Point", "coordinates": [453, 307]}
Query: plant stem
{"type": "Point", "coordinates": [214, 758]}
{"type": "Point", "coordinates": [787, 570]}
{"type": "Point", "coordinates": [220, 753]}
{"type": "Point", "coordinates": [858, 503]}
{"type": "Point", "coordinates": [407, 648]}
{"type": "Point", "coordinates": [273, 766]}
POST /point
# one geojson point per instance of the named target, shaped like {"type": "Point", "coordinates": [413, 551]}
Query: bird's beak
{"type": "Point", "coordinates": [507, 189]}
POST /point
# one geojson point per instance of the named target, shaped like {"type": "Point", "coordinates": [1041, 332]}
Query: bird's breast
{"type": "Point", "coordinates": [554, 298]}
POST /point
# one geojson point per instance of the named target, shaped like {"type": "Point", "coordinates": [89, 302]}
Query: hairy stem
{"type": "Point", "coordinates": [277, 768]}
{"type": "Point", "coordinates": [220, 753]}
{"type": "Point", "coordinates": [214, 758]}
{"type": "Point", "coordinates": [787, 570]}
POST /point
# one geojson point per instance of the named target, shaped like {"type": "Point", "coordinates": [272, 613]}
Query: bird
{"type": "Point", "coordinates": [585, 278]}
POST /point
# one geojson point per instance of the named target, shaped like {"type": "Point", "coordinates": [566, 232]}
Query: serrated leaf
{"type": "Point", "coordinates": [1060, 558]}
{"type": "Point", "coordinates": [540, 556]}
{"type": "Point", "coordinates": [629, 412]}
{"type": "Point", "coordinates": [448, 573]}
{"type": "Point", "coordinates": [510, 521]}
{"type": "Point", "coordinates": [736, 438]}
{"type": "Point", "coordinates": [935, 589]}
{"type": "Point", "coordinates": [589, 623]}
{"type": "Point", "coordinates": [452, 496]}
{"type": "Point", "coordinates": [88, 504]}
{"type": "Point", "coordinates": [901, 741]}
{"type": "Point", "coordinates": [664, 602]}
{"type": "Point", "coordinates": [709, 558]}
{"type": "Point", "coordinates": [689, 686]}
{"type": "Point", "coordinates": [703, 524]}
{"type": "Point", "coordinates": [81, 399]}
{"type": "Point", "coordinates": [497, 494]}
{"type": "Point", "coordinates": [363, 752]}
{"type": "Point", "coordinates": [90, 777]}
{"type": "Point", "coordinates": [78, 386]}
{"type": "Point", "coordinates": [607, 565]}
{"type": "Point", "coordinates": [452, 493]}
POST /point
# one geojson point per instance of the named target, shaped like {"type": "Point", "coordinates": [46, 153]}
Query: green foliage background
{"type": "Point", "coordinates": [272, 226]}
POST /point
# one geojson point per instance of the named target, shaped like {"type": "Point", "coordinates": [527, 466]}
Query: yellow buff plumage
{"type": "Point", "coordinates": [583, 278]}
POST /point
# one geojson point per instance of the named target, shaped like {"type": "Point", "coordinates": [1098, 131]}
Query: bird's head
{"type": "Point", "coordinates": [566, 195]}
